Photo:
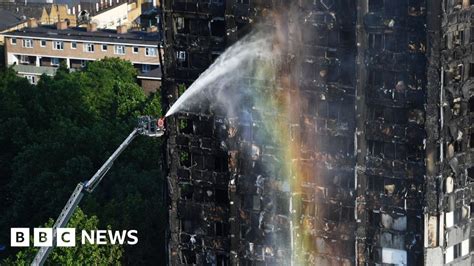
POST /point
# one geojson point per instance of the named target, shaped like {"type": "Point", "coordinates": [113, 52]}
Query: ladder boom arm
{"type": "Point", "coordinates": [95, 180]}
{"type": "Point", "coordinates": [77, 195]}
{"type": "Point", "coordinates": [62, 220]}
{"type": "Point", "coordinates": [146, 126]}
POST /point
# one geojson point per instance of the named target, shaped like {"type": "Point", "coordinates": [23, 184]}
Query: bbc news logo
{"type": "Point", "coordinates": [66, 237]}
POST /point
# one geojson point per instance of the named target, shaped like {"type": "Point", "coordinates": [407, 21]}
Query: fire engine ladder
{"type": "Point", "coordinates": [146, 126]}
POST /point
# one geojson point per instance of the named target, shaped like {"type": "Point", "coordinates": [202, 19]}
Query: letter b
{"type": "Point", "coordinates": [43, 237]}
{"type": "Point", "coordinates": [20, 237]}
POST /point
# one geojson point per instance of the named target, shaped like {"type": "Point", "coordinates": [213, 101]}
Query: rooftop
{"type": "Point", "coordinates": [153, 74]}
{"type": "Point", "coordinates": [81, 33]}
{"type": "Point", "coordinates": [68, 2]}
{"type": "Point", "coordinates": [31, 10]}
{"type": "Point", "coordinates": [9, 19]}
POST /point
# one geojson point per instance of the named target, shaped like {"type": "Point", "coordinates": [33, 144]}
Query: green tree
{"type": "Point", "coordinates": [59, 132]}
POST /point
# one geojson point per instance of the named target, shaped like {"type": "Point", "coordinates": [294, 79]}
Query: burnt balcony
{"type": "Point", "coordinates": [382, 131]}
{"type": "Point", "coordinates": [395, 97]}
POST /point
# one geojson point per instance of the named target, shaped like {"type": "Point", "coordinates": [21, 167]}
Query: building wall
{"type": "Point", "coordinates": [197, 168]}
{"type": "Point", "coordinates": [150, 86]}
{"type": "Point", "coordinates": [14, 28]}
{"type": "Point", "coordinates": [134, 10]}
{"type": "Point", "coordinates": [323, 122]}
{"type": "Point", "coordinates": [403, 107]}
{"type": "Point", "coordinates": [237, 202]}
{"type": "Point", "coordinates": [454, 162]}
{"type": "Point", "coordinates": [79, 52]}
{"type": "Point", "coordinates": [305, 214]}
{"type": "Point", "coordinates": [112, 18]}
{"type": "Point", "coordinates": [57, 13]}
{"type": "Point", "coordinates": [392, 120]}
{"type": "Point", "coordinates": [40, 58]}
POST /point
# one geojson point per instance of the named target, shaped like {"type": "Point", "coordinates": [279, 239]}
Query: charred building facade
{"type": "Point", "coordinates": [390, 131]}
{"type": "Point", "coordinates": [448, 179]}
{"type": "Point", "coordinates": [195, 34]}
{"type": "Point", "coordinates": [371, 164]}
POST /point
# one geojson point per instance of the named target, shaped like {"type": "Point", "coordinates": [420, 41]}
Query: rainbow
{"type": "Point", "coordinates": [277, 103]}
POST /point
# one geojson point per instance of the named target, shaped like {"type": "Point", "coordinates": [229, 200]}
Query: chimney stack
{"type": "Point", "coordinates": [61, 25]}
{"type": "Point", "coordinates": [92, 27]}
{"type": "Point", "coordinates": [32, 23]}
{"type": "Point", "coordinates": [121, 29]}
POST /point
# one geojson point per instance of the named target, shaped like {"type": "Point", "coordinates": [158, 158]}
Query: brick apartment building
{"type": "Point", "coordinates": [38, 50]}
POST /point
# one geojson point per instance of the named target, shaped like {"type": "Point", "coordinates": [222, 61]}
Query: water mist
{"type": "Point", "coordinates": [221, 80]}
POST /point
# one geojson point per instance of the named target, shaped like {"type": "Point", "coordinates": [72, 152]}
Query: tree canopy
{"type": "Point", "coordinates": [59, 132]}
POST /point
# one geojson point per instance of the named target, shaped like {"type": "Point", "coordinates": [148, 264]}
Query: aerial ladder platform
{"type": "Point", "coordinates": [147, 126]}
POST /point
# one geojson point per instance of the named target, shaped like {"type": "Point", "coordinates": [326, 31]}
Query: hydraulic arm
{"type": "Point", "coordinates": [147, 126]}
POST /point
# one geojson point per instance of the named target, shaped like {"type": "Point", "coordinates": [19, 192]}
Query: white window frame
{"type": "Point", "coordinates": [59, 44]}
{"type": "Point", "coordinates": [28, 43]}
{"type": "Point", "coordinates": [55, 58]}
{"type": "Point", "coordinates": [120, 51]}
{"type": "Point", "coordinates": [13, 41]}
{"type": "Point", "coordinates": [102, 47]}
{"type": "Point", "coordinates": [148, 49]}
{"type": "Point", "coordinates": [31, 79]}
{"type": "Point", "coordinates": [43, 43]}
{"type": "Point", "coordinates": [89, 47]}
{"type": "Point", "coordinates": [133, 49]}
{"type": "Point", "coordinates": [22, 59]}
{"type": "Point", "coordinates": [146, 68]}
{"type": "Point", "coordinates": [181, 55]}
{"type": "Point", "coordinates": [73, 45]}
{"type": "Point", "coordinates": [180, 23]}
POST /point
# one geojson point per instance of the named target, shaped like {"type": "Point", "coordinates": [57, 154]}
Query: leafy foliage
{"type": "Point", "coordinates": [59, 132]}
